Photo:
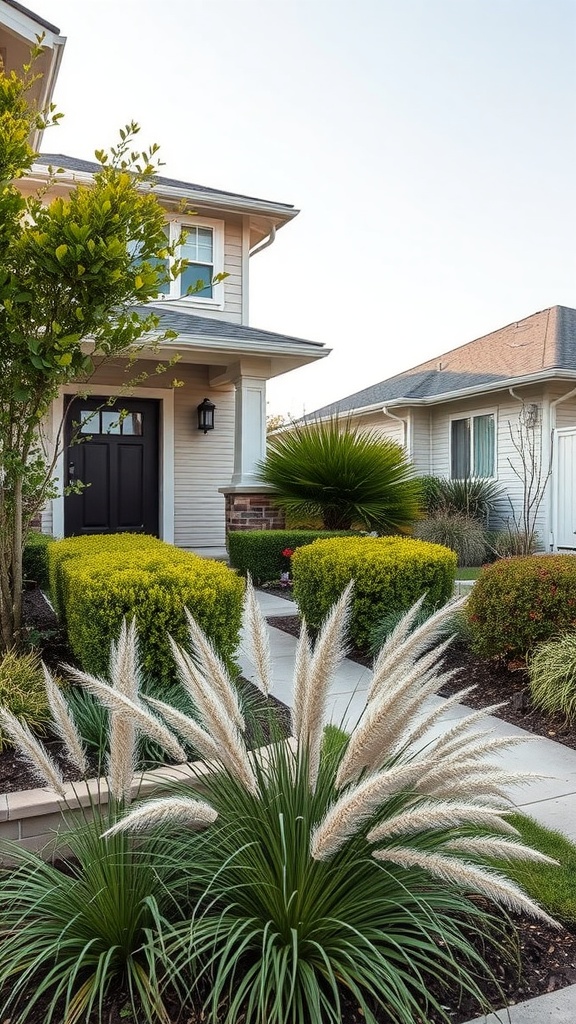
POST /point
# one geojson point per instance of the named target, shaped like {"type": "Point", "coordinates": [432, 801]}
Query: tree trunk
{"type": "Point", "coordinates": [11, 572]}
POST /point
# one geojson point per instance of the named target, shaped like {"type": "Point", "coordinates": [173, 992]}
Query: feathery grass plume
{"type": "Point", "coordinates": [64, 724]}
{"type": "Point", "coordinates": [387, 716]}
{"type": "Point", "coordinates": [389, 734]}
{"type": "Point", "coordinates": [497, 847]}
{"type": "Point", "coordinates": [212, 668]}
{"type": "Point", "coordinates": [125, 678]}
{"type": "Point", "coordinates": [329, 650]}
{"type": "Point", "coordinates": [115, 701]}
{"type": "Point", "coordinates": [431, 717]}
{"type": "Point", "coordinates": [459, 778]}
{"type": "Point", "coordinates": [406, 652]}
{"type": "Point", "coordinates": [165, 811]}
{"type": "Point", "coordinates": [186, 727]}
{"type": "Point", "coordinates": [462, 726]}
{"type": "Point", "coordinates": [401, 630]}
{"type": "Point", "coordinates": [33, 751]}
{"type": "Point", "coordinates": [302, 661]}
{"type": "Point", "coordinates": [216, 719]}
{"type": "Point", "coordinates": [481, 743]}
{"type": "Point", "coordinates": [258, 638]}
{"type": "Point", "coordinates": [470, 876]}
{"type": "Point", "coordinates": [350, 812]}
{"type": "Point", "coordinates": [437, 815]}
{"type": "Point", "coordinates": [390, 681]}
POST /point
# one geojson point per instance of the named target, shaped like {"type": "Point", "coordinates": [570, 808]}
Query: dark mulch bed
{"type": "Point", "coordinates": [548, 956]}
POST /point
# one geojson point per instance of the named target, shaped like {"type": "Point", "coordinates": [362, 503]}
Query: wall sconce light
{"type": "Point", "coordinates": [206, 415]}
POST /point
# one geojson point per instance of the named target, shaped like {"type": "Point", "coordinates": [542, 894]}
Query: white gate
{"type": "Point", "coordinates": [564, 512]}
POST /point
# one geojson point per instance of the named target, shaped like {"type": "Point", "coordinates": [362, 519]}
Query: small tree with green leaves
{"type": "Point", "coordinates": [343, 475]}
{"type": "Point", "coordinates": [71, 270]}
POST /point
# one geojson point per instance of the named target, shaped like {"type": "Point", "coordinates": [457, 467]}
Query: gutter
{"type": "Point", "coordinates": [399, 419]}
{"type": "Point", "coordinates": [204, 199]}
{"type": "Point", "coordinates": [264, 245]}
{"type": "Point", "coordinates": [504, 384]}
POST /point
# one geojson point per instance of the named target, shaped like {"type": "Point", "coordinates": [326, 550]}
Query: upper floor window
{"type": "Point", "coordinates": [203, 251]}
{"type": "Point", "coordinates": [473, 447]}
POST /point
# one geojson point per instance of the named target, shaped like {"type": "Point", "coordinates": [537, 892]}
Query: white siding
{"type": "Point", "coordinates": [384, 425]}
{"type": "Point", "coordinates": [506, 409]}
{"type": "Point", "coordinates": [420, 424]}
{"type": "Point", "coordinates": [202, 463]}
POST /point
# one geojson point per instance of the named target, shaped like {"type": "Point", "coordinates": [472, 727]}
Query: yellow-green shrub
{"type": "Point", "coordinates": [154, 583]}
{"type": "Point", "coordinates": [79, 547]}
{"type": "Point", "coordinates": [22, 689]}
{"type": "Point", "coordinates": [518, 603]}
{"type": "Point", "coordinates": [389, 574]}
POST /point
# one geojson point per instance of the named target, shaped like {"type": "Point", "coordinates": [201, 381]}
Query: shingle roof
{"type": "Point", "coordinates": [545, 340]}
{"type": "Point", "coordinates": [72, 163]}
{"type": "Point", "coordinates": [188, 324]}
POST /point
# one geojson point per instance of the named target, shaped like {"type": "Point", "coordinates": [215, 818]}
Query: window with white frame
{"type": "Point", "coordinates": [473, 446]}
{"type": "Point", "coordinates": [202, 249]}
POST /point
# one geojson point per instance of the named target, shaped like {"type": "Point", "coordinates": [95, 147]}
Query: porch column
{"type": "Point", "coordinates": [249, 505]}
{"type": "Point", "coordinates": [249, 429]}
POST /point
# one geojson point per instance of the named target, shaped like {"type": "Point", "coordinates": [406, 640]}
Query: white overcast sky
{"type": "Point", "coordinates": [429, 144]}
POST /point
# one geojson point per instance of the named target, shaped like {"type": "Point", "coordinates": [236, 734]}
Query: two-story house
{"type": "Point", "coordinates": [159, 470]}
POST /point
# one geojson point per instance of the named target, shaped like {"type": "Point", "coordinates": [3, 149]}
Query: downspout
{"type": "Point", "coordinates": [550, 434]}
{"type": "Point", "coordinates": [267, 241]}
{"type": "Point", "coordinates": [404, 422]}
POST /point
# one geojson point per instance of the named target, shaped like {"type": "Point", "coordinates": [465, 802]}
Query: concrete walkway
{"type": "Point", "coordinates": [550, 800]}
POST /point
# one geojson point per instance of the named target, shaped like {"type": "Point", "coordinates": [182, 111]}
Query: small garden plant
{"type": "Point", "coordinates": [552, 672]}
{"type": "Point", "coordinates": [310, 872]}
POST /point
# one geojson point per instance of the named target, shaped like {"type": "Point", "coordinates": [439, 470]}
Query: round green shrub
{"type": "Point", "coordinates": [552, 671]}
{"type": "Point", "coordinates": [518, 603]}
{"type": "Point", "coordinates": [389, 573]}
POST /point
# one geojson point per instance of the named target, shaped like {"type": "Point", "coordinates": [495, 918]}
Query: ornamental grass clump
{"type": "Point", "coordinates": [552, 672]}
{"type": "Point", "coordinates": [76, 933]}
{"type": "Point", "coordinates": [339, 867]}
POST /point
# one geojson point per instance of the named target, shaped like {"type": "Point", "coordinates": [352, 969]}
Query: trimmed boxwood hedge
{"type": "Point", "coordinates": [106, 578]}
{"type": "Point", "coordinates": [517, 603]}
{"type": "Point", "coordinates": [35, 558]}
{"type": "Point", "coordinates": [259, 552]}
{"type": "Point", "coordinates": [389, 573]}
{"type": "Point", "coordinates": [62, 551]}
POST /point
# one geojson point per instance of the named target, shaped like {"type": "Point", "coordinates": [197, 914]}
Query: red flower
{"type": "Point", "coordinates": [288, 552]}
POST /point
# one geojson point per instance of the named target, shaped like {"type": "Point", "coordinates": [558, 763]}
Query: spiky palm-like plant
{"type": "Point", "coordinates": [343, 475]}
{"type": "Point", "coordinates": [347, 871]}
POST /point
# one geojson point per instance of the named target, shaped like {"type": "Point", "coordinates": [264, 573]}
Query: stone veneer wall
{"type": "Point", "coordinates": [252, 512]}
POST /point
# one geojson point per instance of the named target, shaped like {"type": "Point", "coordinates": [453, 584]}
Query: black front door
{"type": "Point", "coordinates": [116, 457]}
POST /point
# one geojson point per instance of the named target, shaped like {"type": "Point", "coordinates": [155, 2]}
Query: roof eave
{"type": "Point", "coordinates": [551, 373]}
{"type": "Point", "coordinates": [209, 200]}
{"type": "Point", "coordinates": [308, 350]}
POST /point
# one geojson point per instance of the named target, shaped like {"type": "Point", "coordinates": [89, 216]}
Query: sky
{"type": "Point", "coordinates": [430, 146]}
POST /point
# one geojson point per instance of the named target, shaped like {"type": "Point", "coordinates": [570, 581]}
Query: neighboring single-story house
{"type": "Point", "coordinates": [466, 413]}
{"type": "Point", "coordinates": [155, 470]}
